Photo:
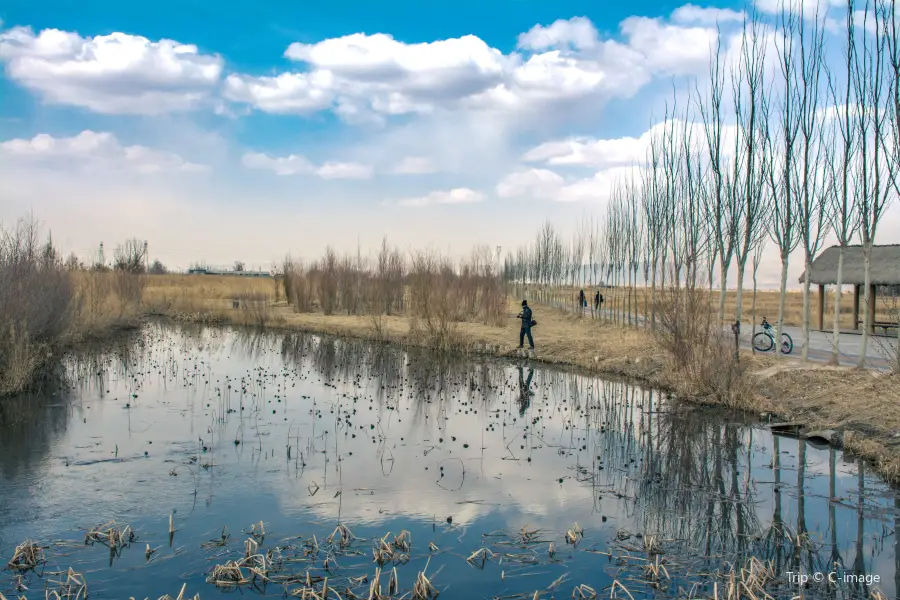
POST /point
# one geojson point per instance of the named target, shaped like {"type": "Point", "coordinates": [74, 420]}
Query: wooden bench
{"type": "Point", "coordinates": [882, 325]}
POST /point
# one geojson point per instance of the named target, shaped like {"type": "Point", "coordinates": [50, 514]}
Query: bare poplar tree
{"type": "Point", "coordinates": [781, 159]}
{"type": "Point", "coordinates": [844, 213]}
{"type": "Point", "coordinates": [749, 92]}
{"type": "Point", "coordinates": [720, 211]}
{"type": "Point", "coordinates": [871, 81]}
{"type": "Point", "coordinates": [810, 195]}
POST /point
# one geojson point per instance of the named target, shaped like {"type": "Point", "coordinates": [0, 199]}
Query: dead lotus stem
{"type": "Point", "coordinates": [111, 535]}
{"type": "Point", "coordinates": [74, 587]}
{"type": "Point", "coordinates": [618, 584]}
{"type": "Point", "coordinates": [28, 555]}
{"type": "Point", "coordinates": [584, 591]}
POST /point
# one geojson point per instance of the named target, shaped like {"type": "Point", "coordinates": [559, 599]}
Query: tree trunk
{"type": "Point", "coordinates": [836, 323]}
{"type": "Point", "coordinates": [867, 265]}
{"type": "Point", "coordinates": [653, 298]}
{"type": "Point", "coordinates": [779, 327]}
{"type": "Point", "coordinates": [723, 290]}
{"type": "Point", "coordinates": [805, 319]}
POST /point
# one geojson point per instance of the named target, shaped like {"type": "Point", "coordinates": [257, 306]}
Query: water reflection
{"type": "Point", "coordinates": [229, 426]}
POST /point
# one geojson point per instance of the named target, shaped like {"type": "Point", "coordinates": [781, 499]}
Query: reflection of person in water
{"type": "Point", "coordinates": [525, 392]}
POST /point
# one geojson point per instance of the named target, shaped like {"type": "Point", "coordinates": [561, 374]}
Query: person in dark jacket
{"type": "Point", "coordinates": [598, 300]}
{"type": "Point", "coordinates": [582, 303]}
{"type": "Point", "coordinates": [527, 321]}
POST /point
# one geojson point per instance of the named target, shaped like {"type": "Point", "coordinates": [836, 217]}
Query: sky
{"type": "Point", "coordinates": [246, 131]}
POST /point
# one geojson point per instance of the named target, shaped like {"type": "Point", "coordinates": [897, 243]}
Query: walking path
{"type": "Point", "coordinates": [880, 352]}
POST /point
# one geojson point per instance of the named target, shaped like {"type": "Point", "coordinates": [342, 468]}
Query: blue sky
{"type": "Point", "coordinates": [245, 130]}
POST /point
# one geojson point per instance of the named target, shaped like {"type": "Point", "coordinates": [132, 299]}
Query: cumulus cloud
{"type": "Point", "coordinates": [415, 165]}
{"type": "Point", "coordinates": [370, 77]}
{"type": "Point", "coordinates": [690, 13]}
{"type": "Point", "coordinates": [299, 165]}
{"type": "Point", "coordinates": [578, 33]}
{"type": "Point", "coordinates": [541, 183]}
{"type": "Point", "coordinates": [544, 184]}
{"type": "Point", "coordinates": [93, 150]}
{"type": "Point", "coordinates": [454, 196]}
{"type": "Point", "coordinates": [111, 74]}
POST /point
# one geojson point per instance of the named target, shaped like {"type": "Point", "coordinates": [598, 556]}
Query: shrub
{"type": "Point", "coordinates": [36, 304]}
{"type": "Point", "coordinates": [702, 353]}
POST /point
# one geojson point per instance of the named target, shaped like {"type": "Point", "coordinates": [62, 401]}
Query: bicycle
{"type": "Point", "coordinates": [764, 340]}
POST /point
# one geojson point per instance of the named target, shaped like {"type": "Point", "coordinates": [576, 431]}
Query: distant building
{"type": "Point", "coordinates": [200, 270]}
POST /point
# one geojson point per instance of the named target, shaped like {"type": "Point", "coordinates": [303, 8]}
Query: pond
{"type": "Point", "coordinates": [494, 479]}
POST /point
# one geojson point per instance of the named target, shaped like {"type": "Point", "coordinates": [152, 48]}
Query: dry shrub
{"type": "Point", "coordinates": [37, 302]}
{"type": "Point", "coordinates": [255, 308]}
{"type": "Point", "coordinates": [390, 273]}
{"type": "Point", "coordinates": [434, 301]}
{"type": "Point", "coordinates": [702, 354]}
{"type": "Point", "coordinates": [130, 278]}
{"type": "Point", "coordinates": [327, 279]}
{"type": "Point", "coordinates": [298, 286]}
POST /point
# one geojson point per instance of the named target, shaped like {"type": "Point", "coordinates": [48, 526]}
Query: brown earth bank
{"type": "Point", "coordinates": [861, 406]}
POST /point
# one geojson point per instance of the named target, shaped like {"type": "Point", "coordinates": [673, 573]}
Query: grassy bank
{"type": "Point", "coordinates": [860, 405]}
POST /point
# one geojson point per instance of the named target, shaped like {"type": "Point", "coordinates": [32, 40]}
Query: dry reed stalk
{"type": "Point", "coordinates": [111, 535]}
{"type": "Point", "coordinates": [343, 535]}
{"type": "Point", "coordinates": [222, 541]}
{"type": "Point", "coordinates": [27, 556]}
{"type": "Point", "coordinates": [584, 591]}
{"type": "Point", "coordinates": [617, 584]}
{"type": "Point", "coordinates": [73, 587]}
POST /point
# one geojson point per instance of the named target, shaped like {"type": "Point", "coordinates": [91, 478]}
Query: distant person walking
{"type": "Point", "coordinates": [598, 301]}
{"type": "Point", "coordinates": [527, 323]}
{"type": "Point", "coordinates": [582, 302]}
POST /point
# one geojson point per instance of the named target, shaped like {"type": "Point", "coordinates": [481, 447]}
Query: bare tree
{"type": "Point", "coordinates": [871, 79]}
{"type": "Point", "coordinates": [780, 159]}
{"type": "Point", "coordinates": [748, 88]}
{"type": "Point", "coordinates": [844, 213]}
{"type": "Point", "coordinates": [810, 195]}
{"type": "Point", "coordinates": [721, 211]}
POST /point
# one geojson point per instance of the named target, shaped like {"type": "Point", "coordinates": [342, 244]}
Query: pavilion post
{"type": "Point", "coordinates": [821, 307]}
{"type": "Point", "coordinates": [856, 306]}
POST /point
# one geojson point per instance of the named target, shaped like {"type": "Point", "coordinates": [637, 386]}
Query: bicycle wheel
{"type": "Point", "coordinates": [787, 344]}
{"type": "Point", "coordinates": [763, 342]}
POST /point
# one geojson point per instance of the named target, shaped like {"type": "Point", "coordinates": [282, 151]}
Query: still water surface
{"type": "Point", "coordinates": [222, 427]}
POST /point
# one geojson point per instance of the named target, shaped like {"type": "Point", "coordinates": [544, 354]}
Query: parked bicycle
{"type": "Point", "coordinates": [764, 340]}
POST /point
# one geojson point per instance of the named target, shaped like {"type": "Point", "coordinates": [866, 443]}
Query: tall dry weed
{"type": "Point", "coordinates": [702, 354]}
{"type": "Point", "coordinates": [37, 301]}
{"type": "Point", "coordinates": [255, 308]}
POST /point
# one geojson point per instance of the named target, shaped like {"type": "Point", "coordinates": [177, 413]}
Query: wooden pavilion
{"type": "Point", "coordinates": [884, 271]}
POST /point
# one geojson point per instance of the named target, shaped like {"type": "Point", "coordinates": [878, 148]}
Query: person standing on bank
{"type": "Point", "coordinates": [527, 323]}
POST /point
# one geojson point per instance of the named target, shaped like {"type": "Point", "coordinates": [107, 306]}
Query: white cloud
{"type": "Point", "coordinates": [808, 8]}
{"type": "Point", "coordinates": [668, 48]}
{"type": "Point", "coordinates": [690, 13]}
{"type": "Point", "coordinates": [577, 32]}
{"type": "Point", "coordinates": [111, 74]}
{"type": "Point", "coordinates": [341, 170]}
{"type": "Point", "coordinates": [94, 151]}
{"type": "Point", "coordinates": [366, 78]}
{"type": "Point", "coordinates": [415, 165]}
{"type": "Point", "coordinates": [297, 165]}
{"type": "Point", "coordinates": [454, 196]}
{"type": "Point", "coordinates": [544, 184]}
{"type": "Point", "coordinates": [540, 183]}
